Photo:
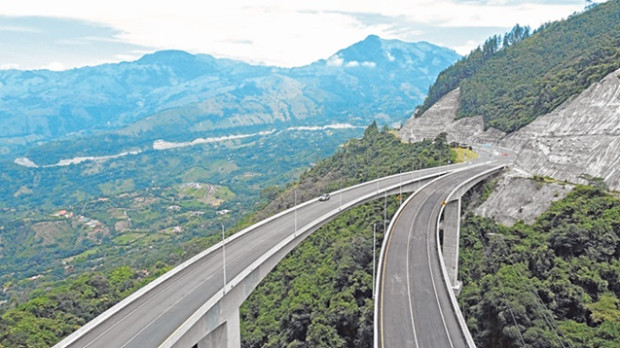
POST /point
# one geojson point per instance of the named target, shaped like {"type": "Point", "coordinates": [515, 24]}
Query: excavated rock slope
{"type": "Point", "coordinates": [441, 117]}
{"type": "Point", "coordinates": [517, 198]}
{"type": "Point", "coordinates": [580, 137]}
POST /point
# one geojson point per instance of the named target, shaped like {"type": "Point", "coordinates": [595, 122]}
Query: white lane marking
{"type": "Point", "coordinates": [430, 270]}
{"type": "Point", "coordinates": [415, 336]}
{"type": "Point", "coordinates": [165, 312]}
{"type": "Point", "coordinates": [140, 306]}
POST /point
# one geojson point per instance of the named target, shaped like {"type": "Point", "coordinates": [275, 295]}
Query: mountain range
{"type": "Point", "coordinates": [179, 96]}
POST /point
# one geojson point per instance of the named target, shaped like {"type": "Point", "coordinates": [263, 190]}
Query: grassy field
{"type": "Point", "coordinates": [459, 154]}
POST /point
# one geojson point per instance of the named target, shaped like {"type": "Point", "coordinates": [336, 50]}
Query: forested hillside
{"type": "Point", "coordinates": [513, 79]}
{"type": "Point", "coordinates": [321, 294]}
{"type": "Point", "coordinates": [555, 283]}
{"type": "Point", "coordinates": [64, 307]}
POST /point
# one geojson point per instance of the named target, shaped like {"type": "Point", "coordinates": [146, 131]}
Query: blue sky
{"type": "Point", "coordinates": [63, 34]}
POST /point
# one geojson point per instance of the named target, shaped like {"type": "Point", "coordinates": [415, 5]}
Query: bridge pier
{"type": "Point", "coordinates": [450, 250]}
{"type": "Point", "coordinates": [233, 331]}
{"type": "Point", "coordinates": [227, 335]}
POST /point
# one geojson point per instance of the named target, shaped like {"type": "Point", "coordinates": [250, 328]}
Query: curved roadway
{"type": "Point", "coordinates": [415, 308]}
{"type": "Point", "coordinates": [151, 317]}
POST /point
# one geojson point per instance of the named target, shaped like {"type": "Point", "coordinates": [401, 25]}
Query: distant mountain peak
{"type": "Point", "coordinates": [170, 57]}
{"type": "Point", "coordinates": [372, 38]}
{"type": "Point", "coordinates": [374, 51]}
{"type": "Point", "coordinates": [184, 64]}
{"type": "Point", "coordinates": [364, 50]}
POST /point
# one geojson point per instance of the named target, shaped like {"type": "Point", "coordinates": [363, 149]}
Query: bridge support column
{"type": "Point", "coordinates": [451, 232]}
{"type": "Point", "coordinates": [227, 335]}
{"type": "Point", "coordinates": [233, 330]}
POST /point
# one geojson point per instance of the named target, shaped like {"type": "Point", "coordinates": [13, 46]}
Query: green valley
{"type": "Point", "coordinates": [60, 221]}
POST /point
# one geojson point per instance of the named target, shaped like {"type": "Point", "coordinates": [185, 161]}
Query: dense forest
{"type": "Point", "coordinates": [513, 79]}
{"type": "Point", "coordinates": [321, 294]}
{"type": "Point", "coordinates": [64, 307]}
{"type": "Point", "coordinates": [555, 283]}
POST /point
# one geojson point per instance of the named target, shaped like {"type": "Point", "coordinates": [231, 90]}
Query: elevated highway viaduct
{"type": "Point", "coordinates": [197, 303]}
{"type": "Point", "coordinates": [417, 281]}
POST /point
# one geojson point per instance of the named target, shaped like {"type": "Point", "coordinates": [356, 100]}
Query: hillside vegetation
{"type": "Point", "coordinates": [66, 306]}
{"type": "Point", "coordinates": [512, 80]}
{"type": "Point", "coordinates": [321, 294]}
{"type": "Point", "coordinates": [555, 283]}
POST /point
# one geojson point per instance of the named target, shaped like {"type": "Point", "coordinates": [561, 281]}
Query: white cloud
{"type": "Point", "coordinates": [9, 66]}
{"type": "Point", "coordinates": [335, 60]}
{"type": "Point", "coordinates": [355, 64]}
{"type": "Point", "coordinates": [467, 47]}
{"type": "Point", "coordinates": [18, 29]}
{"type": "Point", "coordinates": [55, 66]}
{"type": "Point", "coordinates": [468, 15]}
{"type": "Point", "coordinates": [389, 56]}
{"type": "Point", "coordinates": [281, 32]}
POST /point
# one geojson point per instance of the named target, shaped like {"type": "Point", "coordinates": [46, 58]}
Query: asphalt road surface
{"type": "Point", "coordinates": [415, 308]}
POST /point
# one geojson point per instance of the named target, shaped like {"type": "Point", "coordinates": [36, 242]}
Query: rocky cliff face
{"type": "Point", "coordinates": [579, 139]}
{"type": "Point", "coordinates": [517, 198]}
{"type": "Point", "coordinates": [441, 117]}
